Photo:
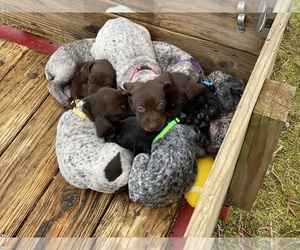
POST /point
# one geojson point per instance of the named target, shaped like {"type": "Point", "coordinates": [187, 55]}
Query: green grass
{"type": "Point", "coordinates": [276, 212]}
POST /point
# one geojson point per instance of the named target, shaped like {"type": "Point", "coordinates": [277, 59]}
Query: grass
{"type": "Point", "coordinates": [276, 212]}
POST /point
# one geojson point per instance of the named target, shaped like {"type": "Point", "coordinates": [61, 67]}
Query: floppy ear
{"type": "Point", "coordinates": [166, 79]}
{"type": "Point", "coordinates": [128, 87]}
{"type": "Point", "coordinates": [85, 70]}
{"type": "Point", "coordinates": [104, 128]}
{"type": "Point", "coordinates": [194, 89]}
{"type": "Point", "coordinates": [87, 109]}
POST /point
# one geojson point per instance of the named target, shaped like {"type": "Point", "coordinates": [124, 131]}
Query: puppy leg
{"type": "Point", "coordinates": [56, 89]}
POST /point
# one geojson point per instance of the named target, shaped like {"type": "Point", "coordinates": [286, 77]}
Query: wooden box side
{"type": "Point", "coordinates": [211, 38]}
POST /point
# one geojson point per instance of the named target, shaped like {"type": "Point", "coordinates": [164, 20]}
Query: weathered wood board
{"type": "Point", "coordinates": [266, 124]}
{"type": "Point", "coordinates": [35, 200]}
{"type": "Point", "coordinates": [210, 37]}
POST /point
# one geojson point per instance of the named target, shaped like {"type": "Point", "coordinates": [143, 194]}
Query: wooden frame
{"type": "Point", "coordinates": [250, 58]}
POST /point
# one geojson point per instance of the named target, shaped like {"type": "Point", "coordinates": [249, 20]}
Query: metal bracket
{"type": "Point", "coordinates": [241, 16]}
{"type": "Point", "coordinates": [267, 15]}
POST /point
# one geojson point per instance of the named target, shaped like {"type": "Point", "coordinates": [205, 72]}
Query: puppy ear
{"type": "Point", "coordinates": [128, 87]}
{"type": "Point", "coordinates": [104, 128]}
{"type": "Point", "coordinates": [87, 109]}
{"type": "Point", "coordinates": [85, 70]}
{"type": "Point", "coordinates": [166, 79]}
{"type": "Point", "coordinates": [194, 90]}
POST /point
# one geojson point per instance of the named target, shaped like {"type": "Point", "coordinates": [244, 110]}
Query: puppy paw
{"type": "Point", "coordinates": [141, 161]}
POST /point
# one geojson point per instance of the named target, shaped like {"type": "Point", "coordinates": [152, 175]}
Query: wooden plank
{"type": "Point", "coordinates": [127, 219]}
{"type": "Point", "coordinates": [9, 55]}
{"type": "Point", "coordinates": [204, 217]}
{"type": "Point", "coordinates": [220, 28]}
{"type": "Point", "coordinates": [23, 90]}
{"type": "Point", "coordinates": [266, 124]}
{"type": "Point", "coordinates": [66, 211]}
{"type": "Point", "coordinates": [211, 55]}
{"type": "Point", "coordinates": [27, 167]}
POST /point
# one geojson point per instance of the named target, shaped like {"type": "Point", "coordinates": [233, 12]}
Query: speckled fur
{"type": "Point", "coordinates": [163, 177]}
{"type": "Point", "coordinates": [62, 65]}
{"type": "Point", "coordinates": [173, 59]}
{"type": "Point", "coordinates": [126, 45]}
{"type": "Point", "coordinates": [83, 157]}
{"type": "Point", "coordinates": [228, 90]}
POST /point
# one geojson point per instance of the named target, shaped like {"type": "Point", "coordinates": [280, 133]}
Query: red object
{"type": "Point", "coordinates": [185, 215]}
{"type": "Point", "coordinates": [33, 42]}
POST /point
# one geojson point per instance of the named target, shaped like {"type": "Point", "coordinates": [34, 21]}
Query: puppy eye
{"type": "Point", "coordinates": [140, 109]}
{"type": "Point", "coordinates": [161, 105]}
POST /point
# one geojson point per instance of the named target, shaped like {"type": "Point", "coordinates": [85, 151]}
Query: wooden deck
{"type": "Point", "coordinates": [35, 200]}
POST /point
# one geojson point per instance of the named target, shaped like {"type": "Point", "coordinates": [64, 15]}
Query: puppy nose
{"type": "Point", "coordinates": [155, 126]}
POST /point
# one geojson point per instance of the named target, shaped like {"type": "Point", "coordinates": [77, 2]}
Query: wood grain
{"type": "Point", "coordinates": [65, 211]}
{"type": "Point", "coordinates": [220, 28]}
{"type": "Point", "coordinates": [23, 90]}
{"type": "Point", "coordinates": [208, 207]}
{"type": "Point", "coordinates": [9, 55]}
{"type": "Point", "coordinates": [127, 219]}
{"type": "Point", "coordinates": [266, 124]}
{"type": "Point", "coordinates": [27, 167]}
{"type": "Point", "coordinates": [216, 46]}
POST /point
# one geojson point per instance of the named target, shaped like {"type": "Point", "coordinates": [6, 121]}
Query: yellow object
{"type": "Point", "coordinates": [204, 166]}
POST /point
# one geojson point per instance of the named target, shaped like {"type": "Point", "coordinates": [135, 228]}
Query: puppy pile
{"type": "Point", "coordinates": [125, 94]}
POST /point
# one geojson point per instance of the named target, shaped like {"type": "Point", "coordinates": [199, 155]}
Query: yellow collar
{"type": "Point", "coordinates": [80, 114]}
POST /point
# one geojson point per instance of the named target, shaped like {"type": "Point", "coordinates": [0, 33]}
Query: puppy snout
{"type": "Point", "coordinates": [155, 125]}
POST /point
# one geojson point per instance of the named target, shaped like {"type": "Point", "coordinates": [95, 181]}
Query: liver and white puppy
{"type": "Point", "coordinates": [167, 174]}
{"type": "Point", "coordinates": [92, 76]}
{"type": "Point", "coordinates": [128, 47]}
{"type": "Point", "coordinates": [87, 161]}
{"type": "Point", "coordinates": [105, 107]}
{"type": "Point", "coordinates": [62, 65]}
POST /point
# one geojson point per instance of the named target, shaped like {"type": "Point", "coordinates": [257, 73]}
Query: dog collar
{"type": "Point", "coordinates": [77, 111]}
{"type": "Point", "coordinates": [166, 129]}
{"type": "Point", "coordinates": [209, 85]}
{"type": "Point", "coordinates": [139, 68]}
{"type": "Point", "coordinates": [194, 63]}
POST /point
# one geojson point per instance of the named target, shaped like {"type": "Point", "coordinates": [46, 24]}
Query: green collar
{"type": "Point", "coordinates": [166, 129]}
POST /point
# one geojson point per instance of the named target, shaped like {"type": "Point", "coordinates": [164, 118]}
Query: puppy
{"type": "Point", "coordinates": [105, 107]}
{"type": "Point", "coordinates": [91, 76]}
{"type": "Point", "coordinates": [130, 135]}
{"type": "Point", "coordinates": [149, 106]}
{"type": "Point", "coordinates": [182, 90]}
{"type": "Point", "coordinates": [87, 161]}
{"type": "Point", "coordinates": [229, 90]}
{"type": "Point", "coordinates": [164, 176]}
{"type": "Point", "coordinates": [62, 65]}
{"type": "Point", "coordinates": [128, 47]}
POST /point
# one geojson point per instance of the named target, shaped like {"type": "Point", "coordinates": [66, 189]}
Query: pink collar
{"type": "Point", "coordinates": [139, 68]}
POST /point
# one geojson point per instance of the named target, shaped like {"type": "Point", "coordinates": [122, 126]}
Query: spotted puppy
{"type": "Point", "coordinates": [62, 65]}
{"type": "Point", "coordinates": [229, 90]}
{"type": "Point", "coordinates": [87, 161]}
{"type": "Point", "coordinates": [128, 47]}
{"type": "Point", "coordinates": [171, 59]}
{"type": "Point", "coordinates": [163, 177]}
